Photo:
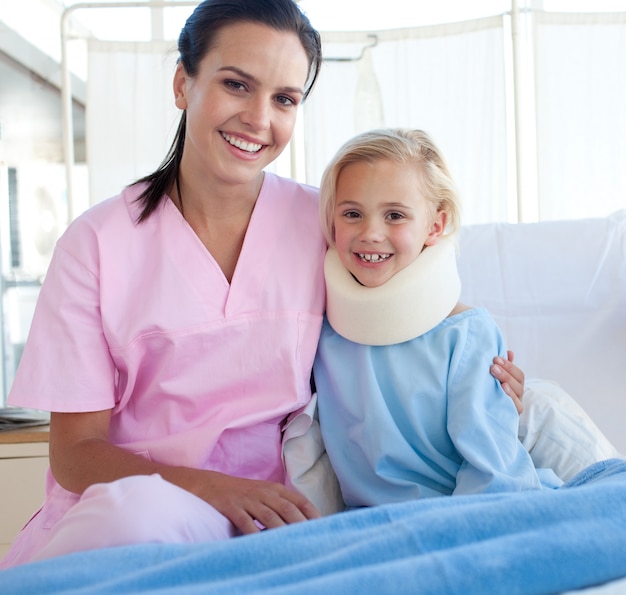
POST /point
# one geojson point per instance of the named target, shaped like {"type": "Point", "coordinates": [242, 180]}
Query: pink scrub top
{"type": "Point", "coordinates": [141, 320]}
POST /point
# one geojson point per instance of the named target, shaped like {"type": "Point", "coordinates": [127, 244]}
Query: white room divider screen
{"type": "Point", "coordinates": [456, 81]}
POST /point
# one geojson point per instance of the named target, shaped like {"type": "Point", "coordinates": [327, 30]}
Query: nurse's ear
{"type": "Point", "coordinates": [181, 85]}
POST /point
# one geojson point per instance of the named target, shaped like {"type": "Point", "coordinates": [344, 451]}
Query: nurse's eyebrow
{"type": "Point", "coordinates": [247, 76]}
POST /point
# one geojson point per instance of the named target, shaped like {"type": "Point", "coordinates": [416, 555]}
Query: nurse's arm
{"type": "Point", "coordinates": [81, 455]}
{"type": "Point", "coordinates": [511, 378]}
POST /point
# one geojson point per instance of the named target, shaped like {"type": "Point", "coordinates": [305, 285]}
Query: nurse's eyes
{"type": "Point", "coordinates": [241, 88]}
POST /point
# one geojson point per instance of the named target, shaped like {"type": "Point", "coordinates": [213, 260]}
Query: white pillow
{"type": "Point", "coordinates": [558, 433]}
{"type": "Point", "coordinates": [307, 465]}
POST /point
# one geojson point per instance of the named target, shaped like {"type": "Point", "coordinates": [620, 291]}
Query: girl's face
{"type": "Point", "coordinates": [242, 104]}
{"type": "Point", "coordinates": [382, 219]}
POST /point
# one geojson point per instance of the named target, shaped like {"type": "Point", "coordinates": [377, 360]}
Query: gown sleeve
{"type": "Point", "coordinates": [482, 419]}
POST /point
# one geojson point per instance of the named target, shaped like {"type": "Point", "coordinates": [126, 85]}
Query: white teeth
{"type": "Point", "coordinates": [374, 257]}
{"type": "Point", "coordinates": [242, 144]}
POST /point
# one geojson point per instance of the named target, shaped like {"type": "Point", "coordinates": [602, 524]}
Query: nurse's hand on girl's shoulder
{"type": "Point", "coordinates": [511, 378]}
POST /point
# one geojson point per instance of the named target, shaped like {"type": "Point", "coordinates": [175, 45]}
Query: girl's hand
{"type": "Point", "coordinates": [511, 378]}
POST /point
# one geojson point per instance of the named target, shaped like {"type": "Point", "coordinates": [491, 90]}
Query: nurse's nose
{"type": "Point", "coordinates": [257, 113]}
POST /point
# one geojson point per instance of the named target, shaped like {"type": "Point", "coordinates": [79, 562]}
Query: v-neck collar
{"type": "Point", "coordinates": [203, 271]}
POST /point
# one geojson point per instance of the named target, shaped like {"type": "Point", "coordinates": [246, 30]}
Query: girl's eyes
{"type": "Point", "coordinates": [393, 216]}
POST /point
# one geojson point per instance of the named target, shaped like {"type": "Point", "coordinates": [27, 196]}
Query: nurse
{"type": "Point", "coordinates": [178, 322]}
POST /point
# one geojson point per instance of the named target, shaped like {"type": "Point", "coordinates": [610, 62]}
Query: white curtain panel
{"type": "Point", "coordinates": [581, 114]}
{"type": "Point", "coordinates": [448, 80]}
{"type": "Point", "coordinates": [131, 117]}
{"type": "Point", "coordinates": [454, 81]}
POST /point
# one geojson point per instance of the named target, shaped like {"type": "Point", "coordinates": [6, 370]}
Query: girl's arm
{"type": "Point", "coordinates": [481, 422]}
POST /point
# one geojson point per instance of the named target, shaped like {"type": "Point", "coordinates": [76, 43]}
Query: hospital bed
{"type": "Point", "coordinates": [558, 291]}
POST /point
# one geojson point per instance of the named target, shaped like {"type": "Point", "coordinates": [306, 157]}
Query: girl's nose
{"type": "Point", "coordinates": [371, 231]}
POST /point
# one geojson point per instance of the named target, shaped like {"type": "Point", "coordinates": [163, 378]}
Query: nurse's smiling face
{"type": "Point", "coordinates": [241, 106]}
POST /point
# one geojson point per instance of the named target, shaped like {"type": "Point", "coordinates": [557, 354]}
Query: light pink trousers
{"type": "Point", "coordinates": [138, 509]}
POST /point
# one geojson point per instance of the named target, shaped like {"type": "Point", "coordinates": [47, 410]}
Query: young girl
{"type": "Point", "coordinates": [406, 406]}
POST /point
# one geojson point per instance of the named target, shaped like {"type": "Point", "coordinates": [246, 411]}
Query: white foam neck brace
{"type": "Point", "coordinates": [412, 302]}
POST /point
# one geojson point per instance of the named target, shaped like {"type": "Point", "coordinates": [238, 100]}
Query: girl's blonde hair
{"type": "Point", "coordinates": [400, 146]}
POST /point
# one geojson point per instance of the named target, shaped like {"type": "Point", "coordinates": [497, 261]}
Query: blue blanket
{"type": "Point", "coordinates": [528, 542]}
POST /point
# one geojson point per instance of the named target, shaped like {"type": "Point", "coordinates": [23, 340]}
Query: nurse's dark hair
{"type": "Point", "coordinates": [196, 39]}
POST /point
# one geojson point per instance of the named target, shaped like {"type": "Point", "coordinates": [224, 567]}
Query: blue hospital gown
{"type": "Point", "coordinates": [421, 418]}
